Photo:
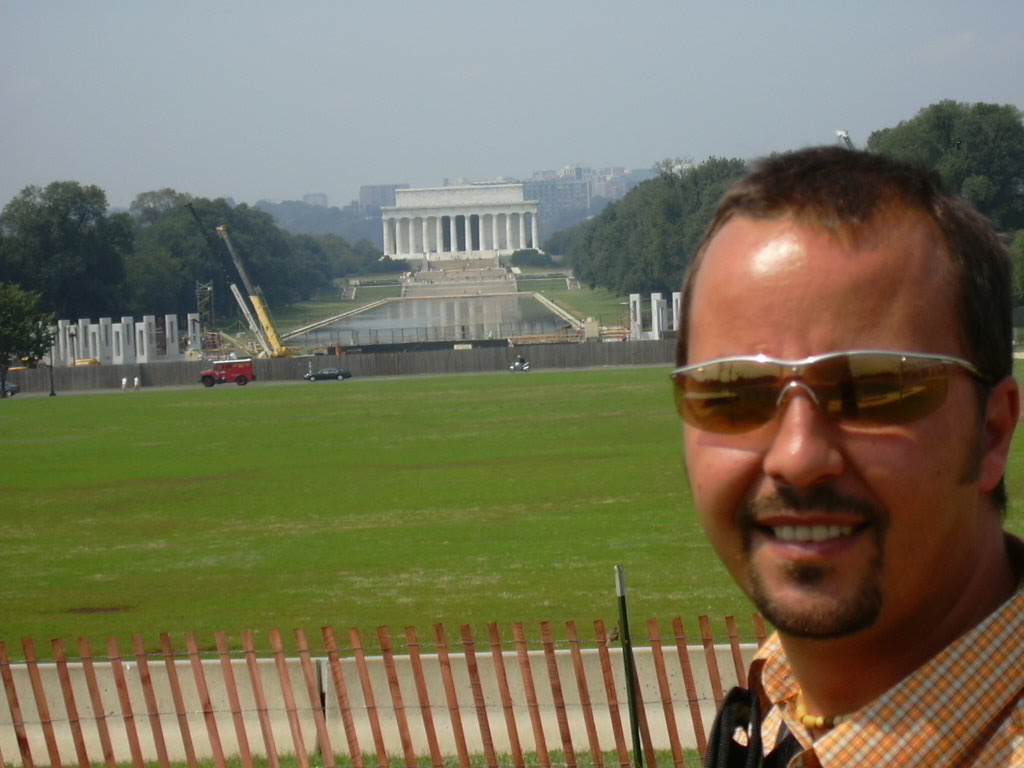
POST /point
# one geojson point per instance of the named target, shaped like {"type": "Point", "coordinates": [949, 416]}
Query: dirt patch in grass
{"type": "Point", "coordinates": [85, 610]}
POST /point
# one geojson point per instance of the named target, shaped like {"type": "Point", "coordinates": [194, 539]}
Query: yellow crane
{"type": "Point", "coordinates": [263, 327]}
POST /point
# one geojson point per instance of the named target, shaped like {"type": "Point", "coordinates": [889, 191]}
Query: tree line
{"type": "Point", "coordinates": [62, 243]}
{"type": "Point", "coordinates": [643, 242]}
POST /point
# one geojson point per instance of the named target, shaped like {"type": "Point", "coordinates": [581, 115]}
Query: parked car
{"type": "Point", "coordinates": [11, 389]}
{"type": "Point", "coordinates": [326, 374]}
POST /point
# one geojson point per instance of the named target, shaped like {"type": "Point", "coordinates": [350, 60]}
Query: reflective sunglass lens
{"type": "Point", "coordinates": [865, 390]}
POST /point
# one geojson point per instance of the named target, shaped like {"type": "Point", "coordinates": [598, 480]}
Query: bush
{"type": "Point", "coordinates": [530, 257]}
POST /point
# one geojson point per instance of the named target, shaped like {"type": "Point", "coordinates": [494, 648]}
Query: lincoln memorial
{"type": "Point", "coordinates": [474, 221]}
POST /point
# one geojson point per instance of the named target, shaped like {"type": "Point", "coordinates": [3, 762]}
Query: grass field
{"type": "Point", "coordinates": [362, 503]}
{"type": "Point", "coordinates": [455, 499]}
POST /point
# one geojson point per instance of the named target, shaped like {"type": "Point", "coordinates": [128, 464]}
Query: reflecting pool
{"type": "Point", "coordinates": [436, 319]}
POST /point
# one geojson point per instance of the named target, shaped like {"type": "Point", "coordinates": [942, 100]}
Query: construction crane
{"type": "Point", "coordinates": [267, 335]}
{"type": "Point", "coordinates": [255, 310]}
{"type": "Point", "coordinates": [844, 139]}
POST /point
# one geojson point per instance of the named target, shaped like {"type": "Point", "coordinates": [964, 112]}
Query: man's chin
{"type": "Point", "coordinates": [812, 614]}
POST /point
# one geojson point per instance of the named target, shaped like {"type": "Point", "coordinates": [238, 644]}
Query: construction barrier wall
{"type": "Point", "coordinates": [433, 361]}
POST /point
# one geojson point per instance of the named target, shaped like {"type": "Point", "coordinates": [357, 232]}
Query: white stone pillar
{"type": "Point", "coordinates": [425, 234]}
{"type": "Point", "coordinates": [83, 340]}
{"type": "Point", "coordinates": [387, 237]}
{"type": "Point", "coordinates": [145, 333]}
{"type": "Point", "coordinates": [677, 303]}
{"type": "Point", "coordinates": [453, 236]}
{"type": "Point", "coordinates": [127, 334]}
{"type": "Point", "coordinates": [657, 315]}
{"type": "Point", "coordinates": [522, 230]}
{"type": "Point", "coordinates": [140, 343]}
{"type": "Point", "coordinates": [104, 341]}
{"type": "Point", "coordinates": [636, 322]}
{"type": "Point", "coordinates": [468, 228]}
{"type": "Point", "coordinates": [117, 356]}
{"type": "Point", "coordinates": [535, 231]}
{"type": "Point", "coordinates": [508, 231]}
{"type": "Point", "coordinates": [439, 233]}
{"type": "Point", "coordinates": [171, 340]}
{"type": "Point", "coordinates": [195, 334]}
{"type": "Point", "coordinates": [63, 343]}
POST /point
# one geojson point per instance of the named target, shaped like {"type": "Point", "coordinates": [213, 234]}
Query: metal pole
{"type": "Point", "coordinates": [627, 659]}
{"type": "Point", "coordinates": [53, 357]}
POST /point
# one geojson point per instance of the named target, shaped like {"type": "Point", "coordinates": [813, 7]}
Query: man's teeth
{"type": "Point", "coordinates": [811, 532]}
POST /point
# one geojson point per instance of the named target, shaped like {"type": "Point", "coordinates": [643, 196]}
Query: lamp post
{"type": "Point", "coordinates": [53, 357]}
{"type": "Point", "coordinates": [73, 338]}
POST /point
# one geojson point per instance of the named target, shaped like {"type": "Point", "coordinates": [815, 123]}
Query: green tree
{"type": "Point", "coordinates": [60, 243]}
{"type": "Point", "coordinates": [643, 242]}
{"type": "Point", "coordinates": [148, 207]}
{"type": "Point", "coordinates": [530, 257]}
{"type": "Point", "coordinates": [172, 254]}
{"type": "Point", "coordinates": [977, 149]}
{"type": "Point", "coordinates": [1017, 254]}
{"type": "Point", "coordinates": [24, 329]}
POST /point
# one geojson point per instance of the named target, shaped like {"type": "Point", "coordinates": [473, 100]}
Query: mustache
{"type": "Point", "coordinates": [820, 498]}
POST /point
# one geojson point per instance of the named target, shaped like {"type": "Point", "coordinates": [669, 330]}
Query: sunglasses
{"type": "Point", "coordinates": [865, 388]}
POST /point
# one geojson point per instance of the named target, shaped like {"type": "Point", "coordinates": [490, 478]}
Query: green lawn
{"type": "Point", "coordinates": [370, 502]}
{"type": "Point", "coordinates": [404, 501]}
{"type": "Point", "coordinates": [584, 302]}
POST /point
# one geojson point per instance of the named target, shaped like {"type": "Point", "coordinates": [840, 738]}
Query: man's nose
{"type": "Point", "coordinates": [804, 450]}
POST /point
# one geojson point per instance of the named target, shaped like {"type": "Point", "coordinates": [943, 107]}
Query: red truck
{"type": "Point", "coordinates": [223, 371]}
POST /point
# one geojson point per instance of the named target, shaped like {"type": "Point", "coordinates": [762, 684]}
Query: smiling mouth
{"type": "Point", "coordinates": [810, 533]}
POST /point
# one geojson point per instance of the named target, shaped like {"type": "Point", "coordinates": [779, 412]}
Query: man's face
{"type": "Point", "coordinates": [881, 527]}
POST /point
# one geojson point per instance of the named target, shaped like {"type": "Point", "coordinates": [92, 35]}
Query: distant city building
{"type": "Point", "coordinates": [573, 187]}
{"type": "Point", "coordinates": [472, 221]}
{"type": "Point", "coordinates": [317, 198]}
{"type": "Point", "coordinates": [379, 195]}
{"type": "Point", "coordinates": [615, 183]}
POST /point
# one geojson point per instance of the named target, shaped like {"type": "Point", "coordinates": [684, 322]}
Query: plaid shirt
{"type": "Point", "coordinates": [964, 707]}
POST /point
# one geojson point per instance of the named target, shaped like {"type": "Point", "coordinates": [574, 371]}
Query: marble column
{"type": "Point", "coordinates": [657, 315]}
{"type": "Point", "coordinates": [636, 326]}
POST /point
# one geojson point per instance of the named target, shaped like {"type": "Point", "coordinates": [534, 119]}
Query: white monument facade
{"type": "Point", "coordinates": [472, 221]}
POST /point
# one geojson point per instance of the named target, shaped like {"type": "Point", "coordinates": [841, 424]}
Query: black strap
{"type": "Point", "coordinates": [741, 709]}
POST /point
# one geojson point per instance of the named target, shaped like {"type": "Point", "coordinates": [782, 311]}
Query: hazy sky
{"type": "Point", "coordinates": [273, 100]}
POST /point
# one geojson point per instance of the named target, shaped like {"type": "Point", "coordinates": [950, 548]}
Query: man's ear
{"type": "Point", "coordinates": [1001, 414]}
